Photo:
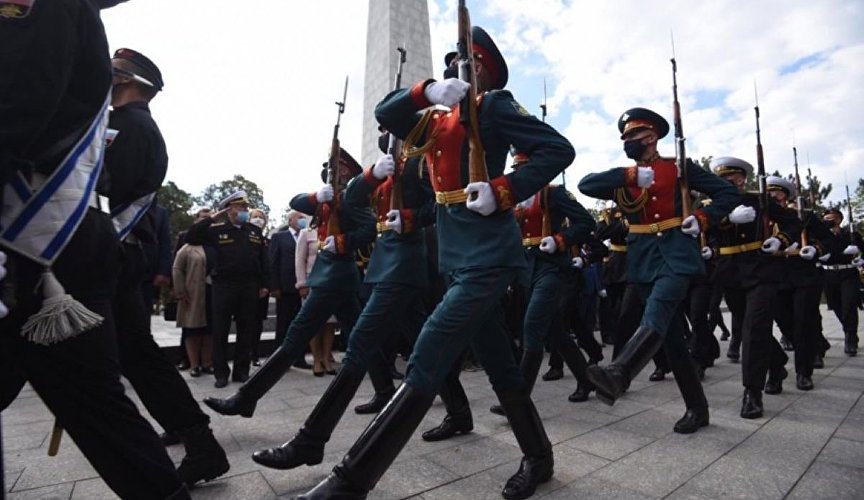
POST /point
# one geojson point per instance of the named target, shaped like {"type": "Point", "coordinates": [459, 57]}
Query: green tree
{"type": "Point", "coordinates": [215, 193]}
{"type": "Point", "coordinates": [179, 205]}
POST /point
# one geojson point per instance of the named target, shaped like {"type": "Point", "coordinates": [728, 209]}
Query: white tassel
{"type": "Point", "coordinates": [61, 316]}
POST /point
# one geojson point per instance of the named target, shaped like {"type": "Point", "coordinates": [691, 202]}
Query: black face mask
{"type": "Point", "coordinates": [634, 149]}
{"type": "Point", "coordinates": [451, 72]}
{"type": "Point", "coordinates": [384, 142]}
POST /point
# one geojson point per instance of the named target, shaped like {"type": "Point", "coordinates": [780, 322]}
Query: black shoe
{"type": "Point", "coordinates": [751, 406]}
{"type": "Point", "coordinates": [774, 385]}
{"type": "Point", "coordinates": [658, 375]}
{"type": "Point", "coordinates": [786, 345]}
{"type": "Point", "coordinates": [609, 381]}
{"type": "Point", "coordinates": [220, 383]}
{"type": "Point", "coordinates": [302, 364]}
{"type": "Point", "coordinates": [692, 421]}
{"type": "Point", "coordinates": [819, 362]}
{"type": "Point", "coordinates": [236, 404]}
{"type": "Point", "coordinates": [553, 374]}
{"type": "Point", "coordinates": [330, 372]}
{"type": "Point", "coordinates": [498, 410]}
{"type": "Point", "coordinates": [581, 393]}
{"type": "Point", "coordinates": [334, 487]}
{"type": "Point", "coordinates": [448, 428]}
{"type": "Point", "coordinates": [170, 438]}
{"type": "Point", "coordinates": [299, 451]}
{"type": "Point", "coordinates": [851, 349]}
{"type": "Point", "coordinates": [724, 336]}
{"type": "Point", "coordinates": [209, 370]}
{"type": "Point", "coordinates": [239, 377]}
{"type": "Point", "coordinates": [196, 372]}
{"type": "Point", "coordinates": [183, 365]}
{"type": "Point", "coordinates": [733, 355]}
{"type": "Point", "coordinates": [256, 362]}
{"type": "Point", "coordinates": [376, 404]}
{"type": "Point", "coordinates": [595, 361]}
{"type": "Point", "coordinates": [532, 472]}
{"type": "Point", "coordinates": [396, 374]}
{"type": "Point", "coordinates": [205, 459]}
{"type": "Point", "coordinates": [700, 371]}
{"type": "Point", "coordinates": [803, 382]}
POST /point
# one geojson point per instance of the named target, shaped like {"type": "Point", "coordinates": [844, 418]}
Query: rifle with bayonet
{"type": "Point", "coordinates": [851, 222]}
{"type": "Point", "coordinates": [680, 151]}
{"type": "Point", "coordinates": [763, 228]}
{"type": "Point", "coordinates": [333, 170]}
{"type": "Point", "coordinates": [799, 201]}
{"type": "Point", "coordinates": [394, 146]}
{"type": "Point", "coordinates": [477, 171]}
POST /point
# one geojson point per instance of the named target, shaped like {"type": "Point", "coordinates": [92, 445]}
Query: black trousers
{"type": "Point", "coordinates": [79, 379]}
{"type": "Point", "coordinates": [797, 314]}
{"type": "Point", "coordinates": [238, 300]}
{"type": "Point", "coordinates": [287, 307]}
{"type": "Point", "coordinates": [842, 293]}
{"type": "Point", "coordinates": [158, 383]}
{"type": "Point", "coordinates": [760, 350]}
{"type": "Point", "coordinates": [704, 346]}
{"type": "Point", "coordinates": [610, 311]}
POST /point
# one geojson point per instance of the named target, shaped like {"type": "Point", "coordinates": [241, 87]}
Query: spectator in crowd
{"type": "Point", "coordinates": [283, 244]}
{"type": "Point", "coordinates": [258, 218]}
{"type": "Point", "coordinates": [322, 343]}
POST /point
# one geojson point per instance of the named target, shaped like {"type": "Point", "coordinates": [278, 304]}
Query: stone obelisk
{"type": "Point", "coordinates": [392, 24]}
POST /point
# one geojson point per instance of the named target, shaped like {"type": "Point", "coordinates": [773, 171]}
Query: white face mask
{"type": "Point", "coordinates": [258, 221]}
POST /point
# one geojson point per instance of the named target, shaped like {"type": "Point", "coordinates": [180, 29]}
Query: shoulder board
{"type": "Point", "coordinates": [217, 224]}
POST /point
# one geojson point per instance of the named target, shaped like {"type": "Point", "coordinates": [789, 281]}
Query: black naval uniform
{"type": "Point", "coordinates": [842, 285]}
{"type": "Point", "coordinates": [54, 77]}
{"type": "Point", "coordinates": [612, 227]}
{"type": "Point", "coordinates": [241, 270]}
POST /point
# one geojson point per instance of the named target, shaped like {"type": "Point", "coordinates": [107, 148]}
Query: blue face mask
{"type": "Point", "coordinates": [243, 217]}
{"type": "Point", "coordinates": [301, 223]}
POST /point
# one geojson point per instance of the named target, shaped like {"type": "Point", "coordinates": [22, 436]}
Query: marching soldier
{"type": "Point", "coordinates": [333, 284]}
{"type": "Point", "coordinates": [612, 227]}
{"type": "Point", "coordinates": [842, 284]}
{"type": "Point", "coordinates": [55, 76]}
{"type": "Point", "coordinates": [749, 274]}
{"type": "Point", "coordinates": [480, 248]}
{"type": "Point", "coordinates": [663, 256]}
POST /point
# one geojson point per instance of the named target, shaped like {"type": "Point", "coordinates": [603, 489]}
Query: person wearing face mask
{"type": "Point", "coordinates": [240, 278]}
{"type": "Point", "coordinates": [283, 247]}
{"type": "Point", "coordinates": [258, 218]}
{"type": "Point", "coordinates": [662, 256]}
{"type": "Point", "coordinates": [55, 83]}
{"type": "Point", "coordinates": [841, 277]}
{"type": "Point", "coordinates": [748, 246]}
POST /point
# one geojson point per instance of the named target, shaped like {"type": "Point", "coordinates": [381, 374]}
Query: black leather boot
{"type": "Point", "coordinates": [458, 419]}
{"type": "Point", "coordinates": [382, 381]}
{"type": "Point", "coordinates": [734, 352]}
{"type": "Point", "coordinates": [530, 367]}
{"type": "Point", "coordinates": [611, 381]}
{"type": "Point", "coordinates": [583, 390]}
{"type": "Point", "coordinates": [692, 421]}
{"type": "Point", "coordinates": [575, 361]}
{"type": "Point", "coordinates": [774, 384]}
{"type": "Point", "coordinates": [751, 406]}
{"type": "Point", "coordinates": [449, 427]}
{"type": "Point", "coordinates": [307, 447]}
{"type": "Point", "coordinates": [205, 459]}
{"type": "Point", "coordinates": [803, 382]}
{"type": "Point", "coordinates": [375, 404]}
{"type": "Point", "coordinates": [657, 375]}
{"type": "Point", "coordinates": [375, 449]}
{"type": "Point", "coordinates": [244, 400]}
{"type": "Point", "coordinates": [537, 462]}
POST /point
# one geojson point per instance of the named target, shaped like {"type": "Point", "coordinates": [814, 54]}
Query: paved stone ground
{"type": "Point", "coordinates": [808, 445]}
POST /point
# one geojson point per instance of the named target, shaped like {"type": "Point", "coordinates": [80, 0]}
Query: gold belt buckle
{"type": "Point", "coordinates": [654, 228]}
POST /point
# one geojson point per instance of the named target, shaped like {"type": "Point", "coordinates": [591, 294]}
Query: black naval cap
{"type": "Point", "coordinates": [345, 158]}
{"type": "Point", "coordinates": [834, 210]}
{"type": "Point", "coordinates": [147, 69]}
{"type": "Point", "coordinates": [488, 54]}
{"type": "Point", "coordinates": [641, 118]}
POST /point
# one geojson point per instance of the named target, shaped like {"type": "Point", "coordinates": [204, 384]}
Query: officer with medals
{"type": "Point", "coordinates": [480, 248]}
{"type": "Point", "coordinates": [55, 78]}
{"type": "Point", "coordinates": [547, 242]}
{"type": "Point", "coordinates": [240, 278]}
{"type": "Point", "coordinates": [797, 305]}
{"type": "Point", "coordinates": [135, 166]}
{"type": "Point", "coordinates": [663, 256]}
{"type": "Point", "coordinates": [749, 273]}
{"type": "Point", "coordinates": [341, 229]}
{"type": "Point", "coordinates": [842, 283]}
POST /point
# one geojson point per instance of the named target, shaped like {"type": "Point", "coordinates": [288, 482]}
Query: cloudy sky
{"type": "Point", "coordinates": [250, 86]}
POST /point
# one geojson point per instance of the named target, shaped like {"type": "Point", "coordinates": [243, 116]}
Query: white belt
{"type": "Point", "coordinates": [837, 267]}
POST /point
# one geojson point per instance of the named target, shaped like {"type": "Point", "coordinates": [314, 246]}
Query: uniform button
{"type": "Point", "coordinates": [449, 115]}
{"type": "Point", "coordinates": [439, 178]}
{"type": "Point", "coordinates": [438, 153]}
{"type": "Point", "coordinates": [656, 216]}
{"type": "Point", "coordinates": [743, 235]}
{"type": "Point", "coordinates": [659, 234]}
{"type": "Point", "coordinates": [527, 234]}
{"type": "Point", "coordinates": [435, 116]}
{"type": "Point", "coordinates": [525, 221]}
{"type": "Point", "coordinates": [653, 198]}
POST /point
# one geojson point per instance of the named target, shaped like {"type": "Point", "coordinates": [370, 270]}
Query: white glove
{"type": "Point", "coordinates": [383, 167]}
{"type": "Point", "coordinates": [603, 293]}
{"type": "Point", "coordinates": [807, 252]}
{"type": "Point", "coordinates": [707, 253]}
{"type": "Point", "coordinates": [484, 203]}
{"type": "Point", "coordinates": [825, 258]}
{"type": "Point", "coordinates": [791, 248]}
{"type": "Point", "coordinates": [577, 262]}
{"type": "Point", "coordinates": [771, 245]}
{"type": "Point", "coordinates": [858, 262]}
{"type": "Point", "coordinates": [690, 226]}
{"type": "Point", "coordinates": [850, 250]}
{"type": "Point", "coordinates": [446, 93]}
{"type": "Point", "coordinates": [329, 244]}
{"type": "Point", "coordinates": [644, 177]}
{"type": "Point", "coordinates": [394, 221]}
{"type": "Point", "coordinates": [742, 215]}
{"type": "Point", "coordinates": [548, 244]}
{"type": "Point", "coordinates": [3, 309]}
{"type": "Point", "coordinates": [324, 194]}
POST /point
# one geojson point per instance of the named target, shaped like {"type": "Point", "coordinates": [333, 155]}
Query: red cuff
{"type": "Point", "coordinates": [340, 243]}
{"type": "Point", "coordinates": [371, 179]}
{"type": "Point", "coordinates": [560, 242]}
{"type": "Point", "coordinates": [313, 198]}
{"type": "Point", "coordinates": [407, 216]}
{"type": "Point", "coordinates": [503, 191]}
{"type": "Point", "coordinates": [702, 217]}
{"type": "Point", "coordinates": [418, 97]}
{"type": "Point", "coordinates": [631, 176]}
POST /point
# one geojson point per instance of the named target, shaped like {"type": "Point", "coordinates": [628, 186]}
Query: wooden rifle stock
{"type": "Point", "coordinates": [477, 171]}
